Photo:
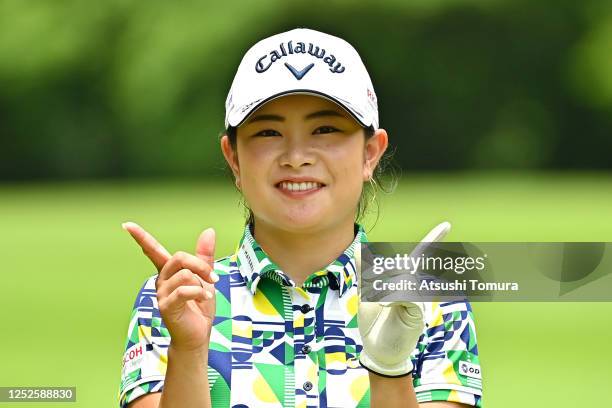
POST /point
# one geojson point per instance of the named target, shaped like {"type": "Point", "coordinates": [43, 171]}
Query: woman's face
{"type": "Point", "coordinates": [301, 161]}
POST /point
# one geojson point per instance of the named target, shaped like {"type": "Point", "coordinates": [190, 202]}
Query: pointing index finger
{"type": "Point", "coordinates": [151, 248]}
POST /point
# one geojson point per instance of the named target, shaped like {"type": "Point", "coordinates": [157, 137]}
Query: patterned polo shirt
{"type": "Point", "coordinates": [274, 344]}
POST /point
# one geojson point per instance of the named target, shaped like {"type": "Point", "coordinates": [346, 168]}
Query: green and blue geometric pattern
{"type": "Point", "coordinates": [274, 344]}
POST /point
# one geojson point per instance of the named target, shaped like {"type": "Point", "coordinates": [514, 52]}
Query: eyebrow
{"type": "Point", "coordinates": [278, 118]}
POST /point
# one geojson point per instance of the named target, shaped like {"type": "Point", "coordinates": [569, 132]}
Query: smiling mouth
{"type": "Point", "coordinates": [302, 187]}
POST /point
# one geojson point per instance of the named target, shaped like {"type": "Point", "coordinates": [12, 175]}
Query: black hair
{"type": "Point", "coordinates": [384, 178]}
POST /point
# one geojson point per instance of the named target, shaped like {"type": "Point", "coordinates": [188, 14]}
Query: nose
{"type": "Point", "coordinates": [297, 153]}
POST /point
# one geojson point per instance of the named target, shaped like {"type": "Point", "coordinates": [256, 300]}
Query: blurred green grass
{"type": "Point", "coordinates": [71, 274]}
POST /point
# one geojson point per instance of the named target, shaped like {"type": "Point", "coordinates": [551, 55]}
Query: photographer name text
{"type": "Point", "coordinates": [456, 285]}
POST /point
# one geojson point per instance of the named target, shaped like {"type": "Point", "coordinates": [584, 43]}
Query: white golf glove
{"type": "Point", "coordinates": [390, 330]}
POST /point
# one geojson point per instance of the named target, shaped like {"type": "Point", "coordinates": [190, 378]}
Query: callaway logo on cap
{"type": "Point", "coordinates": [302, 61]}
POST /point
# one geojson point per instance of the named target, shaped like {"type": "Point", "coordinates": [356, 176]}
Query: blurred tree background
{"type": "Point", "coordinates": [122, 88]}
{"type": "Point", "coordinates": [117, 95]}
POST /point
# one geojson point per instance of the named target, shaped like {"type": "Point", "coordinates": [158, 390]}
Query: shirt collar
{"type": "Point", "coordinates": [254, 264]}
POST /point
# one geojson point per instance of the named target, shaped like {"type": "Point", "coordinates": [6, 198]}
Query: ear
{"type": "Point", "coordinates": [231, 157]}
{"type": "Point", "coordinates": [375, 147]}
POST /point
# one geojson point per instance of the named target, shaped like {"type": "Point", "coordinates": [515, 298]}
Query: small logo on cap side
{"type": "Point", "coordinates": [371, 96]}
{"type": "Point", "coordinates": [299, 74]}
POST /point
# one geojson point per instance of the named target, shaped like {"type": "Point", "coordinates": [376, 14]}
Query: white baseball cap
{"type": "Point", "coordinates": [302, 61]}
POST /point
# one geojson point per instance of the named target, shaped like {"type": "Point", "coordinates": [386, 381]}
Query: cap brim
{"type": "Point", "coordinates": [354, 114]}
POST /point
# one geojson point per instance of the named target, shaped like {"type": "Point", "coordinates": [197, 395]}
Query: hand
{"type": "Point", "coordinates": [184, 286]}
{"type": "Point", "coordinates": [391, 330]}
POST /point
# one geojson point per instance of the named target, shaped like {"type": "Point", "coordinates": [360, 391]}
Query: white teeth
{"type": "Point", "coordinates": [299, 186]}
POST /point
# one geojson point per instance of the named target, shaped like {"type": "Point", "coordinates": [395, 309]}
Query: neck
{"type": "Point", "coordinates": [299, 254]}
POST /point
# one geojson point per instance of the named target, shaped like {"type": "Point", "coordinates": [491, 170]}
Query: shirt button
{"type": "Point", "coordinates": [305, 308]}
{"type": "Point", "coordinates": [306, 349]}
{"type": "Point", "coordinates": [307, 386]}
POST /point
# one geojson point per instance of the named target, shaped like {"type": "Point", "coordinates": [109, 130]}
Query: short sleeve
{"type": "Point", "coordinates": [146, 349]}
{"type": "Point", "coordinates": [446, 362]}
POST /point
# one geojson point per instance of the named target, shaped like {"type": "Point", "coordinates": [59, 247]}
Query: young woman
{"type": "Point", "coordinates": [279, 323]}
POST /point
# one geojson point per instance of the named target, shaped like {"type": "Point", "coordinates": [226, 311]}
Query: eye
{"type": "Point", "coordinates": [326, 129]}
{"type": "Point", "coordinates": [267, 132]}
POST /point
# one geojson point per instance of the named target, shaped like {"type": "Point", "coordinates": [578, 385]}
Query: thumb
{"type": "Point", "coordinates": [205, 247]}
{"type": "Point", "coordinates": [411, 314]}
